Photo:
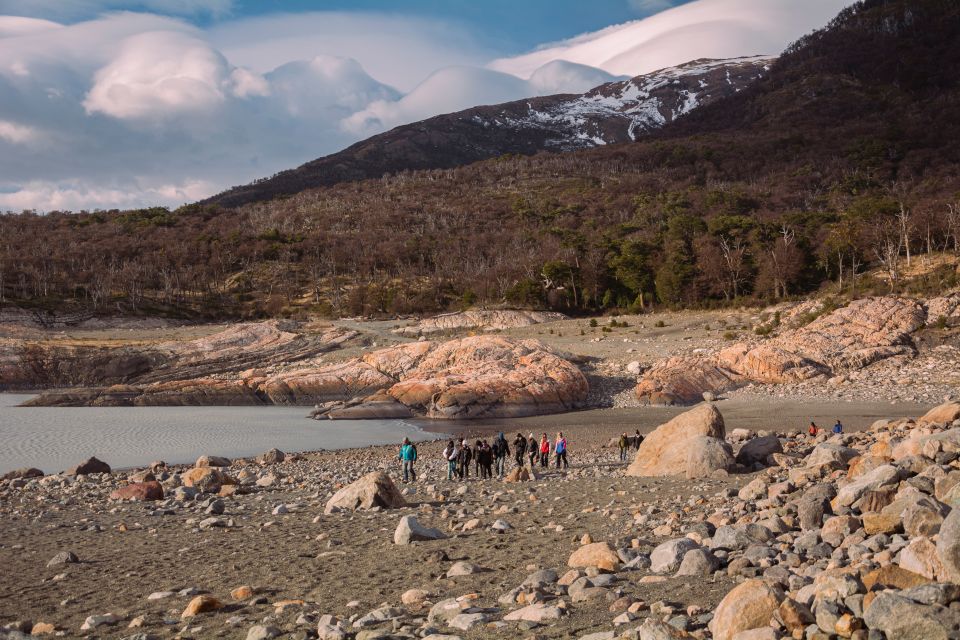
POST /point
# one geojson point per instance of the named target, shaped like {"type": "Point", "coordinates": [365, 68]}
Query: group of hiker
{"type": "Point", "coordinates": [814, 429]}
{"type": "Point", "coordinates": [484, 455]}
{"type": "Point", "coordinates": [488, 458]}
{"type": "Point", "coordinates": [629, 442]}
{"type": "Point", "coordinates": [539, 452]}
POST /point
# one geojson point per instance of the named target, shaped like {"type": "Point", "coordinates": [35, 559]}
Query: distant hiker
{"type": "Point", "coordinates": [477, 458]}
{"type": "Point", "coordinates": [534, 450]}
{"type": "Point", "coordinates": [485, 456]}
{"type": "Point", "coordinates": [452, 455]}
{"type": "Point", "coordinates": [544, 451]}
{"type": "Point", "coordinates": [623, 446]}
{"type": "Point", "coordinates": [408, 455]}
{"type": "Point", "coordinates": [560, 449]}
{"type": "Point", "coordinates": [838, 428]}
{"type": "Point", "coordinates": [637, 440]}
{"type": "Point", "coordinates": [500, 452]}
{"type": "Point", "coordinates": [466, 455]}
{"type": "Point", "coordinates": [519, 448]}
{"type": "Point", "coordinates": [814, 429]}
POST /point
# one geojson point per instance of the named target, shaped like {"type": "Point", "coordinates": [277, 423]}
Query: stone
{"type": "Point", "coordinates": [874, 523]}
{"type": "Point", "coordinates": [598, 554]}
{"type": "Point", "coordinates": [43, 629]}
{"type": "Point", "coordinates": [920, 556]}
{"type": "Point", "coordinates": [535, 613]}
{"type": "Point", "coordinates": [375, 489]}
{"type": "Point", "coordinates": [882, 476]}
{"type": "Point", "coordinates": [948, 546]}
{"type": "Point", "coordinates": [139, 491]}
{"type": "Point", "coordinates": [463, 569]}
{"type": "Point", "coordinates": [892, 577]}
{"type": "Point", "coordinates": [410, 530]}
{"type": "Point", "coordinates": [274, 456]}
{"type": "Point", "coordinates": [64, 557]}
{"type": "Point", "coordinates": [205, 479]}
{"type": "Point", "coordinates": [91, 465]}
{"type": "Point", "coordinates": [698, 562]}
{"type": "Point", "coordinates": [740, 536]}
{"type": "Point", "coordinates": [329, 631]}
{"type": "Point", "coordinates": [467, 621]}
{"type": "Point", "coordinates": [262, 632]}
{"type": "Point", "coordinates": [667, 557]}
{"type": "Point", "coordinates": [93, 622]}
{"type": "Point", "coordinates": [942, 414]}
{"type": "Point", "coordinates": [758, 449]}
{"type": "Point", "coordinates": [749, 605]}
{"type": "Point", "coordinates": [24, 473]}
{"type": "Point", "coordinates": [201, 604]}
{"type": "Point", "coordinates": [705, 455]}
{"type": "Point", "coordinates": [795, 615]}
{"type": "Point", "coordinates": [243, 592]}
{"type": "Point", "coordinates": [519, 474]}
{"type": "Point", "coordinates": [414, 596]}
{"type": "Point", "coordinates": [212, 461]}
{"type": "Point", "coordinates": [663, 452]}
{"type": "Point", "coordinates": [900, 618]}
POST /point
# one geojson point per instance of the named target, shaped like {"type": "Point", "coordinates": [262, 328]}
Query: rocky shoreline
{"type": "Point", "coordinates": [771, 535]}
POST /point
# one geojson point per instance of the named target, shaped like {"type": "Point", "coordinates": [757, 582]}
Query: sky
{"type": "Point", "coordinates": [127, 103]}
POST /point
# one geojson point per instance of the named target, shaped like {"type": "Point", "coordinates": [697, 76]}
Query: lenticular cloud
{"type": "Point", "coordinates": [701, 29]}
{"type": "Point", "coordinates": [137, 109]}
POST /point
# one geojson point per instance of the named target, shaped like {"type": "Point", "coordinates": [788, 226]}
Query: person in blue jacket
{"type": "Point", "coordinates": [838, 428]}
{"type": "Point", "coordinates": [407, 456]}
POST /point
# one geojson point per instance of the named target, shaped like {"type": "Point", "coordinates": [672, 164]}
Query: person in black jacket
{"type": "Point", "coordinates": [519, 448]}
{"type": "Point", "coordinates": [485, 458]}
{"type": "Point", "coordinates": [466, 455]}
{"type": "Point", "coordinates": [500, 452]}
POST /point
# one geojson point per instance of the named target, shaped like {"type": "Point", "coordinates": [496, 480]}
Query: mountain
{"type": "Point", "coordinates": [824, 174]}
{"type": "Point", "coordinates": [611, 113]}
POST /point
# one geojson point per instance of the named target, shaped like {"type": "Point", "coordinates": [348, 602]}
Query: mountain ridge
{"type": "Point", "coordinates": [611, 113]}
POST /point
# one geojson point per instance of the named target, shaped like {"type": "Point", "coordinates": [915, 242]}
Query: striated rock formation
{"type": "Point", "coordinates": [849, 338]}
{"type": "Point", "coordinates": [486, 320]}
{"type": "Point", "coordinates": [692, 438]}
{"type": "Point", "coordinates": [481, 376]}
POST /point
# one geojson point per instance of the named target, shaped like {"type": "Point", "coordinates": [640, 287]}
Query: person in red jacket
{"type": "Point", "coordinates": [544, 451]}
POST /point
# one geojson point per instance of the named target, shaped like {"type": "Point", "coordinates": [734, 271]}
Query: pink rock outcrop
{"type": "Point", "coordinates": [850, 338]}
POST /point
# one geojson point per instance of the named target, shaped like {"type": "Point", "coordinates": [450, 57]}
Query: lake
{"type": "Point", "coordinates": [56, 438]}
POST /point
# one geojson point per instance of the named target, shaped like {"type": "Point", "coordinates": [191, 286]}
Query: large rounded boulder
{"type": "Point", "coordinates": [666, 451]}
{"type": "Point", "coordinates": [375, 489]}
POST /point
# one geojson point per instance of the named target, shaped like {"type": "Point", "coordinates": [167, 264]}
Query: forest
{"type": "Point", "coordinates": [843, 161]}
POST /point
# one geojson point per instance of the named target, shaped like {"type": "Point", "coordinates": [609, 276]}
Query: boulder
{"type": "Point", "coordinates": [758, 449]}
{"type": "Point", "coordinates": [903, 619]}
{"type": "Point", "coordinates": [410, 530]}
{"type": "Point", "coordinates": [205, 479]}
{"type": "Point", "coordinates": [706, 455]}
{"type": "Point", "coordinates": [943, 414]}
{"type": "Point", "coordinates": [26, 472]}
{"type": "Point", "coordinates": [212, 461]}
{"type": "Point", "coordinates": [274, 456]}
{"type": "Point", "coordinates": [749, 605]}
{"type": "Point", "coordinates": [376, 489]}
{"type": "Point", "coordinates": [535, 613]}
{"type": "Point", "coordinates": [597, 554]}
{"type": "Point", "coordinates": [664, 451]}
{"type": "Point", "coordinates": [520, 474]}
{"type": "Point", "coordinates": [666, 557]}
{"type": "Point", "coordinates": [948, 547]}
{"type": "Point", "coordinates": [882, 476]}
{"type": "Point", "coordinates": [139, 491]}
{"type": "Point", "coordinates": [698, 562]}
{"type": "Point", "coordinates": [920, 557]}
{"type": "Point", "coordinates": [201, 604]}
{"type": "Point", "coordinates": [91, 465]}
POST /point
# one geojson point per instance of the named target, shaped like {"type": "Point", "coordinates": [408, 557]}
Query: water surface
{"type": "Point", "coordinates": [56, 438]}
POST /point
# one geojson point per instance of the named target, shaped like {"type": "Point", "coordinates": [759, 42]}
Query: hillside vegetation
{"type": "Point", "coordinates": [843, 159]}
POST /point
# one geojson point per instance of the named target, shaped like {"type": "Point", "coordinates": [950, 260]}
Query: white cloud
{"type": "Point", "coordinates": [160, 74]}
{"type": "Point", "coordinates": [70, 10]}
{"type": "Point", "coordinates": [398, 50]}
{"type": "Point", "coordinates": [17, 133]}
{"type": "Point", "coordinates": [133, 109]}
{"type": "Point", "coordinates": [701, 29]}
